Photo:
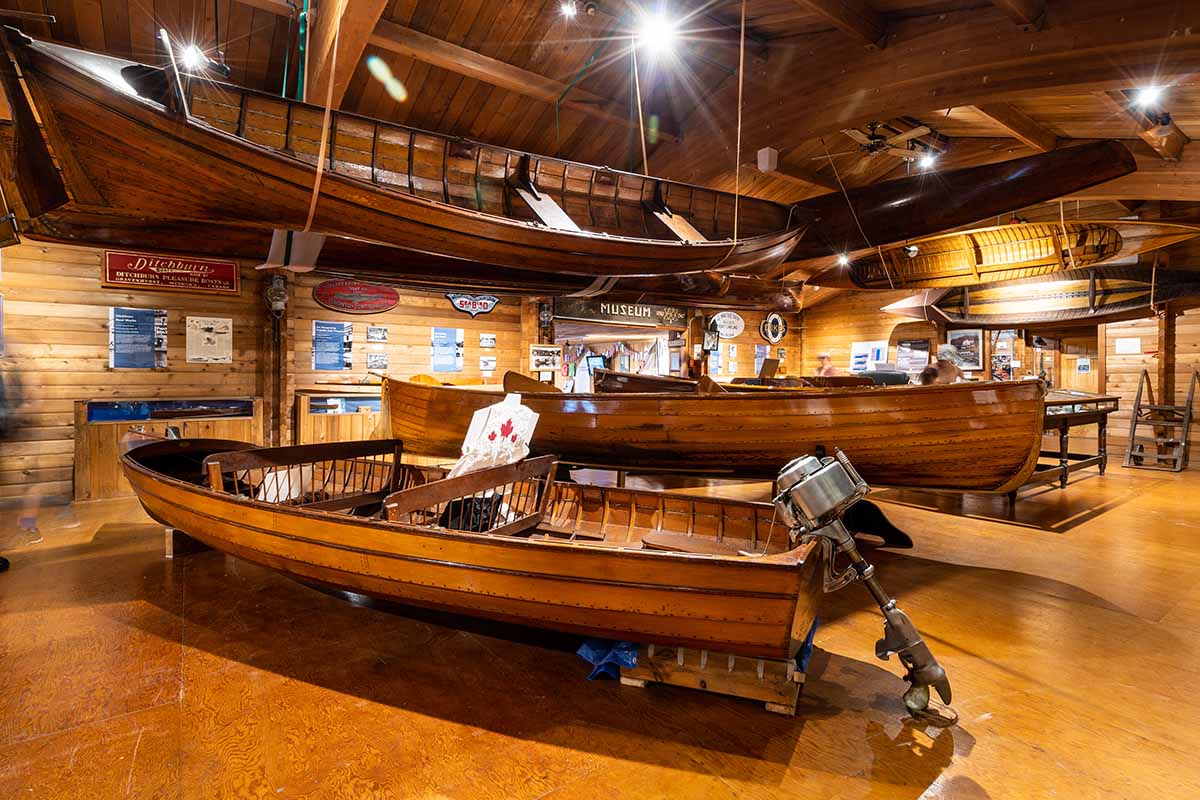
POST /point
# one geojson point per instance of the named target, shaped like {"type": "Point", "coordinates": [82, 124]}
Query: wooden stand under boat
{"type": "Point", "coordinates": [638, 566]}
{"type": "Point", "coordinates": [975, 437]}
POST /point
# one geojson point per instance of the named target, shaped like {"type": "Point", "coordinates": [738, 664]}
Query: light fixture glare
{"type": "Point", "coordinates": [657, 34]}
{"type": "Point", "coordinates": [192, 57]}
{"type": "Point", "coordinates": [926, 161]}
{"type": "Point", "coordinates": [843, 260]}
{"type": "Point", "coordinates": [1148, 96]}
{"type": "Point", "coordinates": [568, 8]}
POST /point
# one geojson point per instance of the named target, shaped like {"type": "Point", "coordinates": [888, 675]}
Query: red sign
{"type": "Point", "coordinates": [170, 273]}
{"type": "Point", "coordinates": [356, 297]}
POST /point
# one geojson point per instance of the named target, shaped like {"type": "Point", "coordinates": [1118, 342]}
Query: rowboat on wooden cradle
{"type": "Point", "coordinates": [979, 437]}
{"type": "Point", "coordinates": [1075, 297]}
{"type": "Point", "coordinates": [1004, 252]}
{"type": "Point", "coordinates": [136, 141]}
{"type": "Point", "coordinates": [507, 543]}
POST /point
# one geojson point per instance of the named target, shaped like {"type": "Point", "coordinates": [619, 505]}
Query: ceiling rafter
{"type": "Point", "coordinates": [854, 17]}
{"type": "Point", "coordinates": [1020, 125]}
{"type": "Point", "coordinates": [353, 26]}
{"type": "Point", "coordinates": [461, 61]}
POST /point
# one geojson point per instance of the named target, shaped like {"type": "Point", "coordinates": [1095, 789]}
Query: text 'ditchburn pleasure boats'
{"type": "Point", "coordinates": [977, 437]}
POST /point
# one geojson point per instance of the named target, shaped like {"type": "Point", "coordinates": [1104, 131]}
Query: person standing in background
{"type": "Point", "coordinates": [827, 369]}
{"type": "Point", "coordinates": [948, 361]}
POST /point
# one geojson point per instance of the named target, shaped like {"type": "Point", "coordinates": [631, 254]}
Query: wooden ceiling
{"type": "Point", "coordinates": [994, 79]}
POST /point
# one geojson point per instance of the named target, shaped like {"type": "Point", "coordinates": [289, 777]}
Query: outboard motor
{"type": "Point", "coordinates": [814, 493]}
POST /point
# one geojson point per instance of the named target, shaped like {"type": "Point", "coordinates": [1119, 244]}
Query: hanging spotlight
{"type": "Point", "coordinates": [192, 58]}
{"type": "Point", "coordinates": [927, 161]}
{"type": "Point", "coordinates": [843, 260]}
{"type": "Point", "coordinates": [657, 34]}
{"type": "Point", "coordinates": [1148, 96]}
{"type": "Point", "coordinates": [911, 250]}
{"type": "Point", "coordinates": [568, 9]}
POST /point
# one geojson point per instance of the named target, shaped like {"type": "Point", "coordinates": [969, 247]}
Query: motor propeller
{"type": "Point", "coordinates": [814, 494]}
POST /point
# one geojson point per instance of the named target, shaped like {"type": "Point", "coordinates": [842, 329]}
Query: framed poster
{"type": "Point", "coordinates": [733, 351]}
{"type": "Point", "coordinates": [137, 338]}
{"type": "Point", "coordinates": [487, 363]}
{"type": "Point", "coordinates": [209, 340]}
{"type": "Point", "coordinates": [912, 355]}
{"type": "Point", "coordinates": [970, 347]}
{"type": "Point", "coordinates": [377, 362]}
{"type": "Point", "coordinates": [1002, 367]}
{"type": "Point", "coordinates": [446, 349]}
{"type": "Point", "coordinates": [545, 357]}
{"type": "Point", "coordinates": [377, 333]}
{"type": "Point", "coordinates": [487, 340]}
{"type": "Point", "coordinates": [865, 355]}
{"type": "Point", "coordinates": [332, 345]}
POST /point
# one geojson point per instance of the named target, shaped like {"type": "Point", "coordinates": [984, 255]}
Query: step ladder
{"type": "Point", "coordinates": [1165, 445]}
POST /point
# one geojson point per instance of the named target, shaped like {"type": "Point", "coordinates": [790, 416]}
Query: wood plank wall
{"type": "Point", "coordinates": [56, 352]}
{"type": "Point", "coordinates": [409, 330]}
{"type": "Point", "coordinates": [834, 325]}
{"type": "Point", "coordinates": [750, 337]}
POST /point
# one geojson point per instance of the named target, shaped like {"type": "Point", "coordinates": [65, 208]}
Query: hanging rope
{"type": "Point", "coordinates": [637, 88]}
{"type": "Point", "coordinates": [737, 156]}
{"type": "Point", "coordinates": [321, 151]}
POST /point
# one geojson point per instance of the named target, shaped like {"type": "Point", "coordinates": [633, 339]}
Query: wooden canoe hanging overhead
{"type": "Point", "coordinates": [1004, 252]}
{"type": "Point", "coordinates": [1080, 296]}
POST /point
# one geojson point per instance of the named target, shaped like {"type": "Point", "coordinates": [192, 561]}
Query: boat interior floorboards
{"type": "Point", "coordinates": [1070, 637]}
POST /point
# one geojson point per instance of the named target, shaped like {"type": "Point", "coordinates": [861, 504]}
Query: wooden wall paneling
{"type": "Point", "coordinates": [409, 330]}
{"type": "Point", "coordinates": [750, 337]}
{"type": "Point", "coordinates": [320, 428]}
{"type": "Point", "coordinates": [835, 324]}
{"type": "Point", "coordinates": [1122, 372]}
{"type": "Point", "coordinates": [56, 353]}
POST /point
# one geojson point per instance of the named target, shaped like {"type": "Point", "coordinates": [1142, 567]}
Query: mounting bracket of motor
{"type": "Point", "coordinates": [814, 493]}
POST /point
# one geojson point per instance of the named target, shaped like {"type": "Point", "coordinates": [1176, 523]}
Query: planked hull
{"type": "Point", "coordinates": [1005, 252]}
{"type": "Point", "coordinates": [1076, 297]}
{"type": "Point", "coordinates": [981, 437]}
{"type": "Point", "coordinates": [122, 154]}
{"type": "Point", "coordinates": [750, 606]}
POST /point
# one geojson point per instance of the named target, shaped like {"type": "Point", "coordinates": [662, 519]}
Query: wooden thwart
{"type": "Point", "coordinates": [775, 683]}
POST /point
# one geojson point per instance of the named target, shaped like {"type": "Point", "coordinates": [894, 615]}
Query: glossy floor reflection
{"type": "Point", "coordinates": [1068, 632]}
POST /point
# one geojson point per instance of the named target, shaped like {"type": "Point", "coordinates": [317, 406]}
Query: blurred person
{"type": "Point", "coordinates": [948, 365]}
{"type": "Point", "coordinates": [827, 369]}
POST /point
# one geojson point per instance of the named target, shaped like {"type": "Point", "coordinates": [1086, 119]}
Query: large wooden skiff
{"type": "Point", "coordinates": [1005, 252]}
{"type": "Point", "coordinates": [110, 144]}
{"type": "Point", "coordinates": [979, 437]}
{"type": "Point", "coordinates": [633, 565]}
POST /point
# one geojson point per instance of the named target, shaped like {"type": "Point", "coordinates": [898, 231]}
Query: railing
{"type": "Point", "coordinates": [342, 476]}
{"type": "Point", "coordinates": [499, 500]}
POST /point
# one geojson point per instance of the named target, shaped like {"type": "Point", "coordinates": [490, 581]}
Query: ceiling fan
{"type": "Point", "coordinates": [899, 144]}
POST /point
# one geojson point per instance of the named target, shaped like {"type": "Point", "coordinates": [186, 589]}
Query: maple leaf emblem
{"type": "Point", "coordinates": [492, 436]}
{"type": "Point", "coordinates": [506, 429]}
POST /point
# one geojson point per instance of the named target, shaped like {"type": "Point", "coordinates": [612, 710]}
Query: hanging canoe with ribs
{"type": "Point", "coordinates": [123, 139]}
{"type": "Point", "coordinates": [1004, 252]}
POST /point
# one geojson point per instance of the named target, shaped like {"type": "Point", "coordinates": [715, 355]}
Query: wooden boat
{"type": "Point", "coordinates": [1005, 252]}
{"type": "Point", "coordinates": [134, 142]}
{"type": "Point", "coordinates": [978, 437]}
{"type": "Point", "coordinates": [623, 564]}
{"type": "Point", "coordinates": [1080, 297]}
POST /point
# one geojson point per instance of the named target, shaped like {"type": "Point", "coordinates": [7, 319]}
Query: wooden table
{"type": "Point", "coordinates": [1066, 409]}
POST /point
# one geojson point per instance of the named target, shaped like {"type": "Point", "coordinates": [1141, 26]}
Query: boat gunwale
{"type": "Point", "coordinates": [741, 245]}
{"type": "Point", "coordinates": [790, 559]}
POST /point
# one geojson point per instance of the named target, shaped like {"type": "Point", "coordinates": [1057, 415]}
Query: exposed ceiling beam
{"type": "Point", "coordinates": [1154, 127]}
{"type": "Point", "coordinates": [461, 61]}
{"type": "Point", "coordinates": [1028, 14]}
{"type": "Point", "coordinates": [1020, 125]}
{"type": "Point", "coordinates": [854, 17]}
{"type": "Point", "coordinates": [1155, 179]}
{"type": "Point", "coordinates": [353, 21]}
{"type": "Point", "coordinates": [967, 57]}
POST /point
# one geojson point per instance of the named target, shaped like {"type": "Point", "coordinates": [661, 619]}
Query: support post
{"type": "Point", "coordinates": [1165, 383]}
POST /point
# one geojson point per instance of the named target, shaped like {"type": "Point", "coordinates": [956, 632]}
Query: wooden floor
{"type": "Point", "coordinates": [1069, 632]}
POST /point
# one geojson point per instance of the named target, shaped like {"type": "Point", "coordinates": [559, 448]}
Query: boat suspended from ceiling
{"type": "Point", "coordinates": [1004, 252]}
{"type": "Point", "coordinates": [976, 437]}
{"type": "Point", "coordinates": [132, 155]}
{"type": "Point", "coordinates": [1074, 297]}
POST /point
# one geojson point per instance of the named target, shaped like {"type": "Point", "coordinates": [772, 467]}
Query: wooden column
{"type": "Point", "coordinates": [1165, 379]}
{"type": "Point", "coordinates": [529, 329]}
{"type": "Point", "coordinates": [1101, 359]}
{"type": "Point", "coordinates": [276, 372]}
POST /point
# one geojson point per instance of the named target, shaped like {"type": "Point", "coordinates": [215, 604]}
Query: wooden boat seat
{"type": "Point", "coordinates": [555, 532]}
{"type": "Point", "coordinates": [588, 541]}
{"type": "Point", "coordinates": [700, 545]}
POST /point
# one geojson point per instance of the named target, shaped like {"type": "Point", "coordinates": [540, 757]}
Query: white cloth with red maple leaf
{"type": "Point", "coordinates": [499, 435]}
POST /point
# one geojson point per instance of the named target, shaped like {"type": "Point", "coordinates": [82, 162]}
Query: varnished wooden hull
{"type": "Point", "coordinates": [969, 437]}
{"type": "Point", "coordinates": [124, 155]}
{"type": "Point", "coordinates": [750, 606]}
{"type": "Point", "coordinates": [1075, 297]}
{"type": "Point", "coordinates": [1005, 252]}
